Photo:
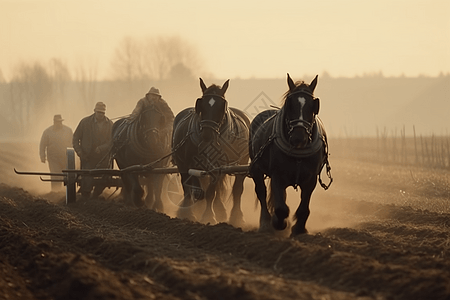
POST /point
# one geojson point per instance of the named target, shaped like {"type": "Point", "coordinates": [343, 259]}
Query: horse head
{"type": "Point", "coordinates": [152, 121]}
{"type": "Point", "coordinates": [300, 109]}
{"type": "Point", "coordinates": [211, 108]}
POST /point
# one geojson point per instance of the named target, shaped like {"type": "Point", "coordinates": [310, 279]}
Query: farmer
{"type": "Point", "coordinates": [54, 142]}
{"type": "Point", "coordinates": [91, 141]}
{"type": "Point", "coordinates": [154, 97]}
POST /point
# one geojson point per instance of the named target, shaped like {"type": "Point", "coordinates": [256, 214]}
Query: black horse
{"type": "Point", "coordinates": [289, 146]}
{"type": "Point", "coordinates": [142, 142]}
{"type": "Point", "coordinates": [207, 137]}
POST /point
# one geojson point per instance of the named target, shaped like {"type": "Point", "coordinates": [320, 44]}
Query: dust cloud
{"type": "Point", "coordinates": [349, 108]}
{"type": "Point", "coordinates": [23, 156]}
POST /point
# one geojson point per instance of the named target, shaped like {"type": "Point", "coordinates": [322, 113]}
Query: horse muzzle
{"type": "Point", "coordinates": [209, 130]}
{"type": "Point", "coordinates": [151, 136]}
{"type": "Point", "coordinates": [299, 141]}
{"type": "Point", "coordinates": [300, 133]}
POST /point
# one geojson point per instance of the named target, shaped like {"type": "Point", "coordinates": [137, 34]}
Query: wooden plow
{"type": "Point", "coordinates": [71, 177]}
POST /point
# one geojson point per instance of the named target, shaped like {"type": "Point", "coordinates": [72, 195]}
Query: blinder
{"type": "Point", "coordinates": [198, 107]}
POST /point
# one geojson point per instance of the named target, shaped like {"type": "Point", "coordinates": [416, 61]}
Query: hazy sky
{"type": "Point", "coordinates": [239, 38]}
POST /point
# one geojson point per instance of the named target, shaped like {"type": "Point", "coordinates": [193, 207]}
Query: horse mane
{"type": "Point", "coordinates": [298, 86]}
{"type": "Point", "coordinates": [213, 89]}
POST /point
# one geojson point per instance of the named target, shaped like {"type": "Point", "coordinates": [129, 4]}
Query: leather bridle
{"type": "Point", "coordinates": [300, 123]}
{"type": "Point", "coordinates": [155, 130]}
{"type": "Point", "coordinates": [213, 125]}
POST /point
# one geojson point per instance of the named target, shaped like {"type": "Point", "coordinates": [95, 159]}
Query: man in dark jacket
{"type": "Point", "coordinates": [92, 141]}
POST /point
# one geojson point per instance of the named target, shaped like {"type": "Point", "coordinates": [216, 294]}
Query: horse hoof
{"type": "Point", "coordinates": [138, 202]}
{"type": "Point", "coordinates": [238, 223]}
{"type": "Point", "coordinates": [186, 214]}
{"type": "Point", "coordinates": [221, 216]}
{"type": "Point", "coordinates": [208, 220]}
{"type": "Point", "coordinates": [265, 228]}
{"type": "Point", "coordinates": [298, 231]}
{"type": "Point", "coordinates": [279, 224]}
{"type": "Point", "coordinates": [237, 220]}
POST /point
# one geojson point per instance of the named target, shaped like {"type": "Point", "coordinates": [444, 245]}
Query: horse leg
{"type": "Point", "coordinates": [149, 198]}
{"type": "Point", "coordinates": [280, 209]}
{"type": "Point", "coordinates": [197, 191]}
{"type": "Point", "coordinates": [157, 183]}
{"type": "Point", "coordinates": [126, 189]}
{"type": "Point", "coordinates": [136, 190]}
{"type": "Point", "coordinates": [302, 213]}
{"type": "Point", "coordinates": [208, 215]}
{"type": "Point", "coordinates": [236, 215]}
{"type": "Point", "coordinates": [184, 210]}
{"type": "Point", "coordinates": [261, 193]}
{"type": "Point", "coordinates": [219, 209]}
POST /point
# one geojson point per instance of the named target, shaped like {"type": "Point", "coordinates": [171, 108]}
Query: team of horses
{"type": "Point", "coordinates": [283, 147]}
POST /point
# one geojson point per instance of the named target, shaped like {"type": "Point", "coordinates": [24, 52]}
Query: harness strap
{"type": "Point", "coordinates": [327, 164]}
{"type": "Point", "coordinates": [149, 166]}
{"type": "Point", "coordinates": [273, 137]}
{"type": "Point", "coordinates": [261, 151]}
{"type": "Point", "coordinates": [323, 185]}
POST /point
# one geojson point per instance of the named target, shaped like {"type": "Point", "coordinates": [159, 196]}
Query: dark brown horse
{"type": "Point", "coordinates": [289, 146]}
{"type": "Point", "coordinates": [142, 142]}
{"type": "Point", "coordinates": [208, 136]}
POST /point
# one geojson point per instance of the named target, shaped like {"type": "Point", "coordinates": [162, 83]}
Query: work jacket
{"type": "Point", "coordinates": [54, 142]}
{"type": "Point", "coordinates": [89, 135]}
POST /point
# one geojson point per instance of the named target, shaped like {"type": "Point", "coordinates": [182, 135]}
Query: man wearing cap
{"type": "Point", "coordinates": [154, 97]}
{"type": "Point", "coordinates": [54, 141]}
{"type": "Point", "coordinates": [91, 141]}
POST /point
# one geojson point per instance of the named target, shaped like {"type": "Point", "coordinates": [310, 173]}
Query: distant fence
{"type": "Point", "coordinates": [426, 151]}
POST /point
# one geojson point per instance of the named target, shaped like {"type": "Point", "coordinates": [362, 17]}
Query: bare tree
{"type": "Point", "coordinates": [61, 77]}
{"type": "Point", "coordinates": [31, 90]}
{"type": "Point", "coordinates": [154, 58]}
{"type": "Point", "coordinates": [127, 63]}
{"type": "Point", "coordinates": [166, 52]}
{"type": "Point", "coordinates": [180, 72]}
{"type": "Point", "coordinates": [86, 81]}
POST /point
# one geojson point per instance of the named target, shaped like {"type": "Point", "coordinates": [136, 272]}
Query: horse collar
{"type": "Point", "coordinates": [283, 144]}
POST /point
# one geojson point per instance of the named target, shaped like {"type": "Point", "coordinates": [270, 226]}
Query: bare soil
{"type": "Point", "coordinates": [379, 232]}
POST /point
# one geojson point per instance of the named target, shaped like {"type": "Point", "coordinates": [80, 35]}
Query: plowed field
{"type": "Point", "coordinates": [379, 232]}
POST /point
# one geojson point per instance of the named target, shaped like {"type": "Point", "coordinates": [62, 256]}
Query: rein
{"type": "Point", "coordinates": [215, 126]}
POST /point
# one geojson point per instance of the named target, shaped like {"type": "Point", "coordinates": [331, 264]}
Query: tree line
{"type": "Point", "coordinates": [35, 87]}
